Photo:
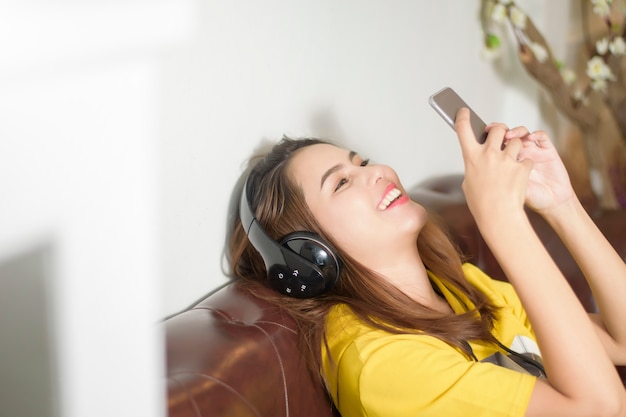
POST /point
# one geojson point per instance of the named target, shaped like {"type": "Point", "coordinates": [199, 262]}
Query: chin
{"type": "Point", "coordinates": [421, 213]}
{"type": "Point", "coordinates": [416, 220]}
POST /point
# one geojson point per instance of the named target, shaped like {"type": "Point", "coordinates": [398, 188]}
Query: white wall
{"type": "Point", "coordinates": [359, 71]}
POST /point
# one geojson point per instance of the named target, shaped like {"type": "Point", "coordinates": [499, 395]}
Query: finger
{"type": "Point", "coordinates": [540, 139]}
{"type": "Point", "coordinates": [514, 149]}
{"type": "Point", "coordinates": [517, 132]}
{"type": "Point", "coordinates": [493, 125]}
{"type": "Point", "coordinates": [495, 137]}
{"type": "Point", "coordinates": [464, 131]}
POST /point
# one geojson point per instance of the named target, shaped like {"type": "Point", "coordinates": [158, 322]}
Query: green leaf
{"type": "Point", "coordinates": [492, 41]}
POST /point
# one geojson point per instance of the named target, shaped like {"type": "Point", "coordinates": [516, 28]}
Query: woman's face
{"type": "Point", "coordinates": [362, 206]}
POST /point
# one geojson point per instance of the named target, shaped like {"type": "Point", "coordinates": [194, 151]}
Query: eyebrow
{"type": "Point", "coordinates": [335, 168]}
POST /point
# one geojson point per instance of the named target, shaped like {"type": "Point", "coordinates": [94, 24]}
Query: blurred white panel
{"type": "Point", "coordinates": [79, 128]}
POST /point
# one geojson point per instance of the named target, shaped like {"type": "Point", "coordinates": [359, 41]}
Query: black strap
{"type": "Point", "coordinates": [530, 362]}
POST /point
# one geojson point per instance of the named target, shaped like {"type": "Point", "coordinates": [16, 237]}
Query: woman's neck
{"type": "Point", "coordinates": [408, 274]}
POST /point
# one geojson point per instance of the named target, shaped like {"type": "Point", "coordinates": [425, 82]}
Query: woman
{"type": "Point", "coordinates": [410, 330]}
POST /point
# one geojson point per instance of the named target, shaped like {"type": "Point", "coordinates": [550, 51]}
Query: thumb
{"type": "Point", "coordinates": [464, 132]}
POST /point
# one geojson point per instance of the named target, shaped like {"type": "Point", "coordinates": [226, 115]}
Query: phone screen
{"type": "Point", "coordinates": [447, 102]}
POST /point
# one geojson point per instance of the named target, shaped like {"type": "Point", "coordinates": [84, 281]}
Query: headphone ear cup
{"type": "Point", "coordinates": [302, 265]}
{"type": "Point", "coordinates": [315, 252]}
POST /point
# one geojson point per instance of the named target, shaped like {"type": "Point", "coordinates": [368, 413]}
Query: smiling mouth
{"type": "Point", "coordinates": [389, 198]}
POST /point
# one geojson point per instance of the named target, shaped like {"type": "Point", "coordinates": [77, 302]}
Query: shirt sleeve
{"type": "Point", "coordinates": [411, 375]}
{"type": "Point", "coordinates": [500, 292]}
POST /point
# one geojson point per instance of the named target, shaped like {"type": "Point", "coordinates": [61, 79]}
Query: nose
{"type": "Point", "coordinates": [375, 173]}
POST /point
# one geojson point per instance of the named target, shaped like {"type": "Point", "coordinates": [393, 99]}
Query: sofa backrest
{"type": "Point", "coordinates": [233, 354]}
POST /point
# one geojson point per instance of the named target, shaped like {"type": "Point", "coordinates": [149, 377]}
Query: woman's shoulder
{"type": "Point", "coordinates": [500, 293]}
{"type": "Point", "coordinates": [492, 288]}
{"type": "Point", "coordinates": [342, 320]}
{"type": "Point", "coordinates": [345, 328]}
{"type": "Point", "coordinates": [476, 275]}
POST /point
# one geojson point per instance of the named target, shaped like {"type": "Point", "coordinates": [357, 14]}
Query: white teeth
{"type": "Point", "coordinates": [392, 195]}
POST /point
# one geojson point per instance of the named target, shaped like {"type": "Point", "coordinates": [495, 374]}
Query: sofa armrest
{"type": "Point", "coordinates": [233, 354]}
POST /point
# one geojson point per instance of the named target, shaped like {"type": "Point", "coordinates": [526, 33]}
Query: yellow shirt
{"type": "Point", "coordinates": [376, 373]}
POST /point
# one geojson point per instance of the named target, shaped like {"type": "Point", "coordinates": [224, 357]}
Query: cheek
{"type": "Point", "coordinates": [352, 239]}
{"type": "Point", "coordinates": [348, 230]}
{"type": "Point", "coordinates": [338, 224]}
{"type": "Point", "coordinates": [332, 218]}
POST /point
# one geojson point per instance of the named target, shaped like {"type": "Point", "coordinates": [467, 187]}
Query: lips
{"type": "Point", "coordinates": [392, 195]}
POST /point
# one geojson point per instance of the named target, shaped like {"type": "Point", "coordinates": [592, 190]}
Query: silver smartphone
{"type": "Point", "coordinates": [447, 102]}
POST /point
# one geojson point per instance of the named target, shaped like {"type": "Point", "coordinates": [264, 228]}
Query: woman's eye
{"type": "Point", "coordinates": [344, 181]}
{"type": "Point", "coordinates": [341, 183]}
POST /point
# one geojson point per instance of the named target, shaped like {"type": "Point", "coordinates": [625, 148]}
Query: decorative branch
{"type": "Point", "coordinates": [595, 100]}
{"type": "Point", "coordinates": [548, 74]}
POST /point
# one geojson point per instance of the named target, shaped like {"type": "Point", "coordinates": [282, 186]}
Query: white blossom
{"type": "Point", "coordinates": [618, 46]}
{"type": "Point", "coordinates": [518, 18]}
{"type": "Point", "coordinates": [541, 54]}
{"type": "Point", "coordinates": [505, 2]}
{"type": "Point", "coordinates": [498, 13]}
{"type": "Point", "coordinates": [580, 96]}
{"type": "Point", "coordinates": [598, 70]}
{"type": "Point", "coordinates": [602, 46]}
{"type": "Point", "coordinates": [568, 75]}
{"type": "Point", "coordinates": [601, 7]}
{"type": "Point", "coordinates": [599, 85]}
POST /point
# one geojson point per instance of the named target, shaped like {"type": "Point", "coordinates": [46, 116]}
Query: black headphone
{"type": "Point", "coordinates": [302, 265]}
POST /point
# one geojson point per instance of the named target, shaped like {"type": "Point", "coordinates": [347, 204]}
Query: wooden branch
{"type": "Point", "coordinates": [595, 28]}
{"type": "Point", "coordinates": [607, 153]}
{"type": "Point", "coordinates": [616, 93]}
{"type": "Point", "coordinates": [548, 75]}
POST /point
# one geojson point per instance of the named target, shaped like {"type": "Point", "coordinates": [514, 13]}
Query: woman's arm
{"type": "Point", "coordinates": [551, 195]}
{"type": "Point", "coordinates": [604, 269]}
{"type": "Point", "coordinates": [582, 380]}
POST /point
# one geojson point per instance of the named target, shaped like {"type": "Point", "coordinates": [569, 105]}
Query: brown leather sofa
{"type": "Point", "coordinates": [232, 354]}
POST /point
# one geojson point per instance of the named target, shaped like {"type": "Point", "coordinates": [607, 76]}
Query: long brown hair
{"type": "Point", "coordinates": [280, 208]}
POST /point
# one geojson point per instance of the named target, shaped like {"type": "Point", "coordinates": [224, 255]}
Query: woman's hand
{"type": "Point", "coordinates": [497, 170]}
{"type": "Point", "coordinates": [496, 178]}
{"type": "Point", "coordinates": [548, 185]}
